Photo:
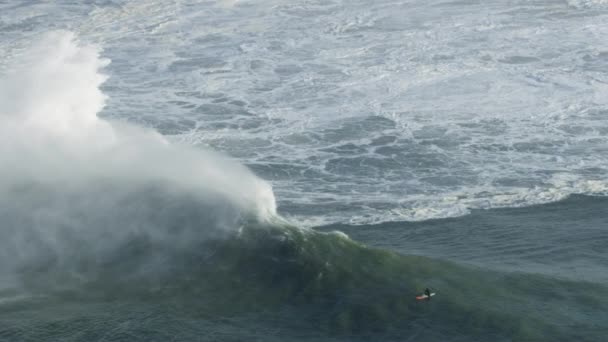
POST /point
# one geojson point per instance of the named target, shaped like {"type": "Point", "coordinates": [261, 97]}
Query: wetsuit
{"type": "Point", "coordinates": [427, 292]}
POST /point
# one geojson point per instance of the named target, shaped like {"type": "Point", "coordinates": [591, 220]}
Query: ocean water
{"type": "Point", "coordinates": [299, 171]}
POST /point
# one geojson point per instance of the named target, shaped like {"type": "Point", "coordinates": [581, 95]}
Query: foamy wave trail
{"type": "Point", "coordinates": [75, 189]}
{"type": "Point", "coordinates": [587, 3]}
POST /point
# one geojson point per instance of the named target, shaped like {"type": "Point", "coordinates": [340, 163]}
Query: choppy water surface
{"type": "Point", "coordinates": [162, 161]}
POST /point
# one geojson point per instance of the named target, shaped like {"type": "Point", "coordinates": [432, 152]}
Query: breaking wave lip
{"type": "Point", "coordinates": [51, 133]}
{"type": "Point", "coordinates": [76, 190]}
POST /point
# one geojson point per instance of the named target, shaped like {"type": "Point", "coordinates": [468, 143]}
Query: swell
{"type": "Point", "coordinates": [562, 239]}
{"type": "Point", "coordinates": [324, 281]}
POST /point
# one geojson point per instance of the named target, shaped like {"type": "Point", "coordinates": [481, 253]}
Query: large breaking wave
{"type": "Point", "coordinates": [74, 187]}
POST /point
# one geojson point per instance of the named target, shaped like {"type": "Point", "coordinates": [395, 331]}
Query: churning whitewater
{"type": "Point", "coordinates": [383, 111]}
{"type": "Point", "coordinates": [455, 146]}
{"type": "Point", "coordinates": [71, 181]}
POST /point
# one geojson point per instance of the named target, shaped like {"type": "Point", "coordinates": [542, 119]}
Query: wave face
{"type": "Point", "coordinates": [280, 282]}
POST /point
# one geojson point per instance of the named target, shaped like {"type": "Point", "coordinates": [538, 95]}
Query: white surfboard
{"type": "Point", "coordinates": [421, 297]}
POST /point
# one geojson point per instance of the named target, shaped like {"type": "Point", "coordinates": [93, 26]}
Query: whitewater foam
{"type": "Point", "coordinates": [366, 112]}
{"type": "Point", "coordinates": [50, 104]}
{"type": "Point", "coordinates": [74, 188]}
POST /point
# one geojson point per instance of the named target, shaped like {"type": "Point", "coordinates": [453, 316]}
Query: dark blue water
{"type": "Point", "coordinates": [567, 239]}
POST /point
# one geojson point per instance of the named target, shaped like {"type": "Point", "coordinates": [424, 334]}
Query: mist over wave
{"type": "Point", "coordinates": [74, 189]}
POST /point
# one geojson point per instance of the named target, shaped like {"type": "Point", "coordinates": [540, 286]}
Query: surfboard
{"type": "Point", "coordinates": [421, 297]}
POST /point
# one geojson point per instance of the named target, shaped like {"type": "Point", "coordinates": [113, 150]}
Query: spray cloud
{"type": "Point", "coordinates": [74, 189]}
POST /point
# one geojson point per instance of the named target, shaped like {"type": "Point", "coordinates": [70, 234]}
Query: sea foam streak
{"type": "Point", "coordinates": [74, 188]}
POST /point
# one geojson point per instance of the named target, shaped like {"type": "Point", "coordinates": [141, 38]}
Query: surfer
{"type": "Point", "coordinates": [426, 295]}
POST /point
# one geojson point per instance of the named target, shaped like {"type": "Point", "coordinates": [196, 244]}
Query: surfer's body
{"type": "Point", "coordinates": [426, 295]}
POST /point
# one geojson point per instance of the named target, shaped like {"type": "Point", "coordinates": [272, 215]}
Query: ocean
{"type": "Point", "coordinates": [238, 170]}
